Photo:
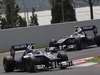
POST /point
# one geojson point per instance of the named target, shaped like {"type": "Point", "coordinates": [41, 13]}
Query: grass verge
{"type": "Point", "coordinates": [37, 46]}
{"type": "Point", "coordinates": [95, 59]}
{"type": "Point", "coordinates": [40, 46]}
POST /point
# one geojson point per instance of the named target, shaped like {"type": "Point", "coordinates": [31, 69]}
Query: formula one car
{"type": "Point", "coordinates": [31, 60]}
{"type": "Point", "coordinates": [81, 39]}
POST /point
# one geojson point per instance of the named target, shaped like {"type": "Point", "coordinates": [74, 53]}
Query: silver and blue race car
{"type": "Point", "coordinates": [31, 60]}
{"type": "Point", "coordinates": [88, 36]}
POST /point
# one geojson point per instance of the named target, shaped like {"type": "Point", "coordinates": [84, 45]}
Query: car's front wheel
{"type": "Point", "coordinates": [29, 65]}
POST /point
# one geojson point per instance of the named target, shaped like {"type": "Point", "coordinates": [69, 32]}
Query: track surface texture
{"type": "Point", "coordinates": [90, 70]}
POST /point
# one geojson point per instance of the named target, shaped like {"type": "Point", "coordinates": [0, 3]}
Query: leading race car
{"type": "Point", "coordinates": [31, 60]}
{"type": "Point", "coordinates": [81, 38]}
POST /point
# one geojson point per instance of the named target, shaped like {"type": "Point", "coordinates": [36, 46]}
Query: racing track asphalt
{"type": "Point", "coordinates": [92, 70]}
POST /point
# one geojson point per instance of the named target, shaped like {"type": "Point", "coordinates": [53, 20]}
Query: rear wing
{"type": "Point", "coordinates": [90, 28]}
{"type": "Point", "coordinates": [21, 46]}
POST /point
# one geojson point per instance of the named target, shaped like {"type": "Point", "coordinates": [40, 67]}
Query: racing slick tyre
{"type": "Point", "coordinates": [8, 64]}
{"type": "Point", "coordinates": [29, 65]}
{"type": "Point", "coordinates": [63, 60]}
{"type": "Point", "coordinates": [79, 44]}
{"type": "Point", "coordinates": [97, 40]}
{"type": "Point", "coordinates": [63, 56]}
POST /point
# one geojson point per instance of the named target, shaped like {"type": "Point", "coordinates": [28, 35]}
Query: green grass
{"type": "Point", "coordinates": [95, 60]}
{"type": "Point", "coordinates": [41, 46]}
{"type": "Point", "coordinates": [36, 47]}
{"type": "Point", "coordinates": [2, 50]}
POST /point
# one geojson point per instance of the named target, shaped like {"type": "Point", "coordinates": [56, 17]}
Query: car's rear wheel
{"type": "Point", "coordinates": [97, 40]}
{"type": "Point", "coordinates": [63, 56]}
{"type": "Point", "coordinates": [8, 64]}
{"type": "Point", "coordinates": [80, 44]}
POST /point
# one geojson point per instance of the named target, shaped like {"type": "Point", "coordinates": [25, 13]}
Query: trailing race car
{"type": "Point", "coordinates": [31, 60]}
{"type": "Point", "coordinates": [81, 38]}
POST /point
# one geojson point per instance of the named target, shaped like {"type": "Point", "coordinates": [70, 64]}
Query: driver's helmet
{"type": "Point", "coordinates": [78, 29]}
{"type": "Point", "coordinates": [29, 48]}
{"type": "Point", "coordinates": [76, 26]}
